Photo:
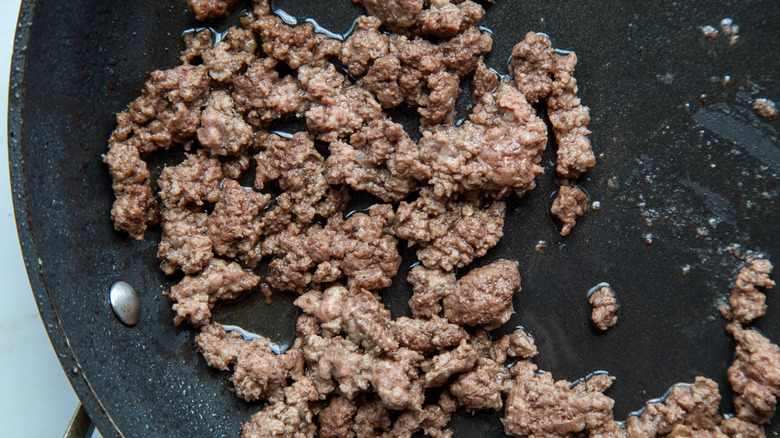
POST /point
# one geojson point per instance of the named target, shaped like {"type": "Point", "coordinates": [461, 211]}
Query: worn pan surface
{"type": "Point", "coordinates": [679, 151]}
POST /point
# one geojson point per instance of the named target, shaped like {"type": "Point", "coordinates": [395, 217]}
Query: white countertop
{"type": "Point", "coordinates": [37, 399]}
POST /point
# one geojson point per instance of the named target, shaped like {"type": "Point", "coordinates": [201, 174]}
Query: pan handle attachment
{"type": "Point", "coordinates": [80, 425]}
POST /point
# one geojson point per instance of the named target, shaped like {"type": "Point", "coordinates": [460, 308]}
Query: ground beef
{"type": "Point", "coordinates": [368, 162]}
{"type": "Point", "coordinates": [685, 408]}
{"type": "Point", "coordinates": [192, 183]}
{"type": "Point", "coordinates": [365, 45]}
{"type": "Point", "coordinates": [366, 321]}
{"type": "Point", "coordinates": [195, 295]}
{"type": "Point", "coordinates": [427, 335]}
{"type": "Point", "coordinates": [371, 419]}
{"type": "Point", "coordinates": [234, 167]}
{"type": "Point", "coordinates": [295, 46]}
{"type": "Point", "coordinates": [765, 108]}
{"type": "Point", "coordinates": [536, 405]}
{"type": "Point", "coordinates": [569, 120]}
{"type": "Point", "coordinates": [483, 297]}
{"type": "Point", "coordinates": [445, 19]}
{"type": "Point", "coordinates": [382, 81]}
{"type": "Point", "coordinates": [569, 204]}
{"type": "Point", "coordinates": [222, 130]}
{"type": "Point", "coordinates": [230, 57]}
{"type": "Point", "coordinates": [281, 420]}
{"type": "Point", "coordinates": [338, 108]}
{"type": "Point", "coordinates": [532, 66]}
{"type": "Point", "coordinates": [235, 224]}
{"type": "Point", "coordinates": [449, 233]}
{"type": "Point", "coordinates": [605, 307]}
{"type": "Point", "coordinates": [754, 375]}
{"type": "Point", "coordinates": [362, 248]}
{"type": "Point", "coordinates": [167, 112]}
{"type": "Point", "coordinates": [482, 387]}
{"type": "Point", "coordinates": [429, 287]}
{"type": "Point", "coordinates": [441, 367]}
{"type": "Point", "coordinates": [206, 9]}
{"type": "Point", "coordinates": [335, 419]}
{"type": "Point", "coordinates": [396, 14]}
{"type": "Point", "coordinates": [516, 344]}
{"type": "Point", "coordinates": [184, 244]}
{"type": "Point", "coordinates": [746, 301]}
{"type": "Point", "coordinates": [262, 96]}
{"type": "Point", "coordinates": [498, 150]}
{"type": "Point", "coordinates": [463, 53]}
{"type": "Point", "coordinates": [299, 170]}
{"type": "Point", "coordinates": [195, 43]}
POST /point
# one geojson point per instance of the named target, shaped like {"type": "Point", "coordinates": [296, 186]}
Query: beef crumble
{"type": "Point", "coordinates": [353, 370]}
{"type": "Point", "coordinates": [605, 307]}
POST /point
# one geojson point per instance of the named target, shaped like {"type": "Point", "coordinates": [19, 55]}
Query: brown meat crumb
{"type": "Point", "coordinates": [206, 9]}
{"type": "Point", "coordinates": [765, 108]}
{"type": "Point", "coordinates": [449, 233]}
{"type": "Point", "coordinates": [746, 301]}
{"type": "Point", "coordinates": [754, 375]}
{"type": "Point", "coordinates": [605, 307]}
{"type": "Point", "coordinates": [570, 203]}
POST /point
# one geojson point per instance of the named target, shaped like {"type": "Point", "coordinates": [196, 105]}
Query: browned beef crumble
{"type": "Point", "coordinates": [765, 108]}
{"type": "Point", "coordinates": [746, 301]}
{"type": "Point", "coordinates": [205, 9]}
{"type": "Point", "coordinates": [569, 204]}
{"type": "Point", "coordinates": [353, 371]}
{"type": "Point", "coordinates": [605, 307]}
{"type": "Point", "coordinates": [449, 233]}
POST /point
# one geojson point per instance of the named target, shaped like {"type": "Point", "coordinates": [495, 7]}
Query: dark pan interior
{"type": "Point", "coordinates": [679, 151]}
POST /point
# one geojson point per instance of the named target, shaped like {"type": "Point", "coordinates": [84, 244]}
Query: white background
{"type": "Point", "coordinates": [37, 400]}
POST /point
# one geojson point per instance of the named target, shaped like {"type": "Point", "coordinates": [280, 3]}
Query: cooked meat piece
{"type": "Point", "coordinates": [445, 19]}
{"type": "Point", "coordinates": [167, 112]}
{"type": "Point", "coordinates": [281, 420]}
{"type": "Point", "coordinates": [299, 169]}
{"type": "Point", "coordinates": [396, 384]}
{"type": "Point", "coordinates": [234, 167]}
{"type": "Point", "coordinates": [382, 81]}
{"type": "Point", "coordinates": [429, 287]}
{"type": "Point", "coordinates": [258, 373]}
{"type": "Point", "coordinates": [449, 233]}
{"type": "Point", "coordinates": [371, 419]}
{"type": "Point", "coordinates": [596, 382]}
{"type": "Point", "coordinates": [223, 131]}
{"type": "Point", "coordinates": [338, 108]}
{"type": "Point", "coordinates": [362, 248]}
{"type": "Point", "coordinates": [367, 322]}
{"type": "Point", "coordinates": [754, 375]}
{"type": "Point", "coordinates": [569, 120]}
{"type": "Point", "coordinates": [463, 54]}
{"type": "Point", "coordinates": [195, 295]}
{"type": "Point", "coordinates": [205, 9]}
{"type": "Point", "coordinates": [326, 306]}
{"type": "Point", "coordinates": [539, 406]}
{"type": "Point", "coordinates": [296, 46]}
{"type": "Point", "coordinates": [532, 66]}
{"type": "Point", "coordinates": [262, 96]}
{"type": "Point", "coordinates": [427, 336]}
{"type": "Point", "coordinates": [483, 297]}
{"type": "Point", "coordinates": [570, 203]}
{"type": "Point", "coordinates": [692, 406]}
{"type": "Point", "coordinates": [430, 419]}
{"type": "Point", "coordinates": [364, 46]}
{"type": "Point", "coordinates": [765, 108]}
{"type": "Point", "coordinates": [368, 162]}
{"type": "Point", "coordinates": [736, 428]}
{"type": "Point", "coordinates": [234, 225]}
{"type": "Point", "coordinates": [396, 14]}
{"type": "Point", "coordinates": [441, 367]}
{"type": "Point", "coordinates": [516, 344]}
{"type": "Point", "coordinates": [195, 43]}
{"type": "Point", "coordinates": [605, 307]}
{"type": "Point", "coordinates": [193, 182]}
{"type": "Point", "coordinates": [746, 301]}
{"type": "Point", "coordinates": [444, 88]}
{"type": "Point", "coordinates": [482, 388]}
{"type": "Point", "coordinates": [230, 57]}
{"type": "Point", "coordinates": [335, 419]}
{"type": "Point", "coordinates": [184, 244]}
{"type": "Point", "coordinates": [338, 358]}
{"type": "Point", "coordinates": [498, 150]}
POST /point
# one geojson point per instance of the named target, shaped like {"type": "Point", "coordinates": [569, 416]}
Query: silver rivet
{"type": "Point", "coordinates": [125, 303]}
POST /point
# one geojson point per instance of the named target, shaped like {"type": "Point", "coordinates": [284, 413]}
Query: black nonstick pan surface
{"type": "Point", "coordinates": [687, 178]}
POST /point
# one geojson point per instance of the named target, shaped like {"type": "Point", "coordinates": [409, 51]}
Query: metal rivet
{"type": "Point", "coordinates": [125, 303]}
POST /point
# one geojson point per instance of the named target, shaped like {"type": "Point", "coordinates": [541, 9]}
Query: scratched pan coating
{"type": "Point", "coordinates": [685, 172]}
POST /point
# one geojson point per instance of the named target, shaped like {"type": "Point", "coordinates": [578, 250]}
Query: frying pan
{"type": "Point", "coordinates": [687, 178]}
